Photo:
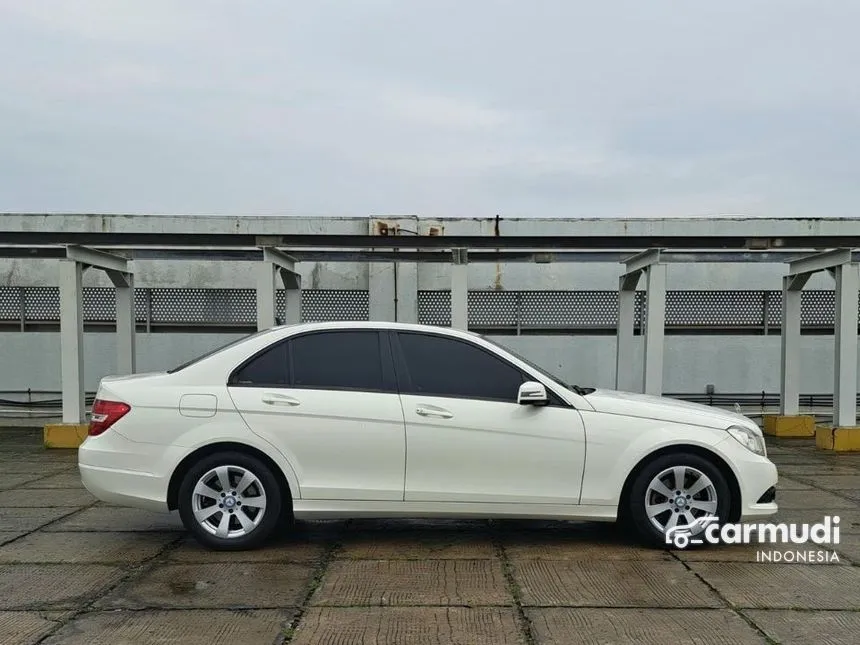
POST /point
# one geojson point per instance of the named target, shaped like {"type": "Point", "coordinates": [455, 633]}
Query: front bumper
{"type": "Point", "coordinates": [756, 477]}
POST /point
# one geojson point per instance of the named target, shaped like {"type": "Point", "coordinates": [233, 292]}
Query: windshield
{"type": "Point", "coordinates": [536, 368]}
{"type": "Point", "coordinates": [220, 349]}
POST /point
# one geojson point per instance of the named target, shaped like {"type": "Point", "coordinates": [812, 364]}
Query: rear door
{"type": "Point", "coordinates": [328, 401]}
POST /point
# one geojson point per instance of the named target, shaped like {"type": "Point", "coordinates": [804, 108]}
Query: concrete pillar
{"type": "Point", "coordinates": [655, 318]}
{"type": "Point", "coordinates": [292, 282]}
{"type": "Point", "coordinates": [789, 391]}
{"type": "Point", "coordinates": [624, 374]}
{"type": "Point", "coordinates": [72, 341]}
{"type": "Point", "coordinates": [265, 295]}
{"type": "Point", "coordinates": [406, 290]}
{"type": "Point", "coordinates": [381, 291]}
{"type": "Point", "coordinates": [125, 322]}
{"type": "Point", "coordinates": [460, 290]}
{"type": "Point", "coordinates": [845, 383]}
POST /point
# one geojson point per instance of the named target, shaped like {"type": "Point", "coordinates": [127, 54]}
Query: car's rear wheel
{"type": "Point", "coordinates": [230, 501]}
{"type": "Point", "coordinates": [675, 497]}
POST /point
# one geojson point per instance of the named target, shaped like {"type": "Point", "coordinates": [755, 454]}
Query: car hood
{"type": "Point", "coordinates": [664, 409]}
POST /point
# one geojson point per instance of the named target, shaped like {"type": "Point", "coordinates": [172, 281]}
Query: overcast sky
{"type": "Point", "coordinates": [431, 107]}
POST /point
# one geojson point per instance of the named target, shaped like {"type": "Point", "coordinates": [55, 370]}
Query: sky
{"type": "Point", "coordinates": [469, 108]}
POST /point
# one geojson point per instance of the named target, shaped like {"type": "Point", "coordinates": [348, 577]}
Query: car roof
{"type": "Point", "coordinates": [378, 324]}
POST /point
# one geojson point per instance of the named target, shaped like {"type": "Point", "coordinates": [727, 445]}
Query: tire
{"type": "Point", "coordinates": [232, 519]}
{"type": "Point", "coordinates": [712, 500]}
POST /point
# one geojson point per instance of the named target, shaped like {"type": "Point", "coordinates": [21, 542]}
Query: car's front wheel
{"type": "Point", "coordinates": [675, 497]}
{"type": "Point", "coordinates": [230, 501]}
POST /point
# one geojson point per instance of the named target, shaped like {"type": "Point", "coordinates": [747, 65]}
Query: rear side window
{"type": "Point", "coordinates": [449, 367]}
{"type": "Point", "coordinates": [337, 360]}
{"type": "Point", "coordinates": [271, 368]}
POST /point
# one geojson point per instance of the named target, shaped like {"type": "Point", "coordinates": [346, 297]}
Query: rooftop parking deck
{"type": "Point", "coordinates": [76, 571]}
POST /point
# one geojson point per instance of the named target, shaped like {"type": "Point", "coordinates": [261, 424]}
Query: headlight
{"type": "Point", "coordinates": [750, 439]}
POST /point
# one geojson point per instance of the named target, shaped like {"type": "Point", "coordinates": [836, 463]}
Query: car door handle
{"type": "Point", "coordinates": [280, 399]}
{"type": "Point", "coordinates": [430, 411]}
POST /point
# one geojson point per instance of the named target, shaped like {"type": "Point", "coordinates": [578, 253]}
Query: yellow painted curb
{"type": "Point", "coordinates": [777, 425]}
{"type": "Point", "coordinates": [64, 435]}
{"type": "Point", "coordinates": [838, 439]}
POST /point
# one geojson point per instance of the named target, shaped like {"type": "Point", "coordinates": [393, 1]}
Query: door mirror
{"type": "Point", "coordinates": [532, 393]}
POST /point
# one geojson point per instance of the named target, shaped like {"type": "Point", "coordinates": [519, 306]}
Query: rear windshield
{"type": "Point", "coordinates": [220, 349]}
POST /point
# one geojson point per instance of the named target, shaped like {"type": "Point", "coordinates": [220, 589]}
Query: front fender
{"type": "Point", "coordinates": [616, 444]}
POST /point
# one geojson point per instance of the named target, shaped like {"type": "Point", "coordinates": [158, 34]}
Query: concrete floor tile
{"type": "Point", "coordinates": [23, 627]}
{"type": "Point", "coordinates": [45, 546]}
{"type": "Point", "coordinates": [38, 467]}
{"type": "Point", "coordinates": [68, 480]}
{"type": "Point", "coordinates": [8, 536]}
{"type": "Point", "coordinates": [787, 483]}
{"type": "Point", "coordinates": [15, 480]}
{"type": "Point", "coordinates": [53, 586]}
{"type": "Point", "coordinates": [408, 546]}
{"type": "Point", "coordinates": [796, 458]}
{"type": "Point", "coordinates": [837, 482]}
{"type": "Point", "coordinates": [641, 627]}
{"type": "Point", "coordinates": [622, 583]}
{"type": "Point", "coordinates": [45, 497]}
{"type": "Point", "coordinates": [29, 519]}
{"type": "Point", "coordinates": [412, 582]}
{"type": "Point", "coordinates": [814, 499]}
{"type": "Point", "coordinates": [404, 625]}
{"type": "Point", "coordinates": [804, 627]}
{"type": "Point", "coordinates": [277, 550]}
{"type": "Point", "coordinates": [576, 546]}
{"type": "Point", "coordinates": [208, 586]}
{"type": "Point", "coordinates": [782, 586]}
{"type": "Point", "coordinates": [117, 518]}
{"type": "Point", "coordinates": [192, 627]}
{"type": "Point", "coordinates": [807, 470]}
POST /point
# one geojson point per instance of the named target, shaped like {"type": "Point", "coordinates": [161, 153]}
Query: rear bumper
{"type": "Point", "coordinates": [110, 468]}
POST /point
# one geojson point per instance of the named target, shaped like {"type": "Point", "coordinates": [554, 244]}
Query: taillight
{"type": "Point", "coordinates": [105, 414]}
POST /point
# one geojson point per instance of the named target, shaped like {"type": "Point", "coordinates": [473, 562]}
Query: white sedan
{"type": "Point", "coordinates": [389, 420]}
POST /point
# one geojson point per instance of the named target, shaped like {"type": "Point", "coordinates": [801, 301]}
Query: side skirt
{"type": "Point", "coordinates": [335, 509]}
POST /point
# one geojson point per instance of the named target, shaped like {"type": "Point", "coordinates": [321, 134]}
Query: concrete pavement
{"type": "Point", "coordinates": [74, 571]}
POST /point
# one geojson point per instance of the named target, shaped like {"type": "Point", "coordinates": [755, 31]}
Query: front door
{"type": "Point", "coordinates": [328, 401]}
{"type": "Point", "coordinates": [467, 438]}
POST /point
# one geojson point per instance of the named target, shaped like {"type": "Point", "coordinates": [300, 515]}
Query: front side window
{"type": "Point", "coordinates": [440, 366]}
{"type": "Point", "coordinates": [337, 360]}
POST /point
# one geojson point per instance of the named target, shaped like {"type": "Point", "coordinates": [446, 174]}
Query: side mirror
{"type": "Point", "coordinates": [532, 393]}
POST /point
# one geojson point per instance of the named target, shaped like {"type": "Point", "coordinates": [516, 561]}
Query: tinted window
{"type": "Point", "coordinates": [268, 368]}
{"type": "Point", "coordinates": [342, 359]}
{"type": "Point", "coordinates": [448, 367]}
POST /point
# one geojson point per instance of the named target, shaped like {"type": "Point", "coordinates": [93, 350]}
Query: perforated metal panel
{"type": "Point", "coordinates": [487, 309]}
{"type": "Point", "coordinates": [204, 306]}
{"type": "Point", "coordinates": [434, 308]}
{"type": "Point", "coordinates": [714, 308]}
{"type": "Point", "coordinates": [99, 304]}
{"type": "Point", "coordinates": [494, 309]}
{"type": "Point", "coordinates": [330, 304]}
{"type": "Point", "coordinates": [10, 303]}
{"type": "Point", "coordinates": [41, 304]}
{"type": "Point", "coordinates": [817, 308]}
{"type": "Point", "coordinates": [569, 309]}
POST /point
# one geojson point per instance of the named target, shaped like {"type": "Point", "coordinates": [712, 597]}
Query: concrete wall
{"type": "Point", "coordinates": [730, 363]}
{"type": "Point", "coordinates": [335, 275]}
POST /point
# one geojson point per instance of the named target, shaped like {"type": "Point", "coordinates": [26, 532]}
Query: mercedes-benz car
{"type": "Point", "coordinates": [393, 420]}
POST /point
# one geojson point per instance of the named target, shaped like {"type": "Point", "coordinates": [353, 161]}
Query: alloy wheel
{"type": "Point", "coordinates": [681, 497]}
{"type": "Point", "coordinates": [229, 501]}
